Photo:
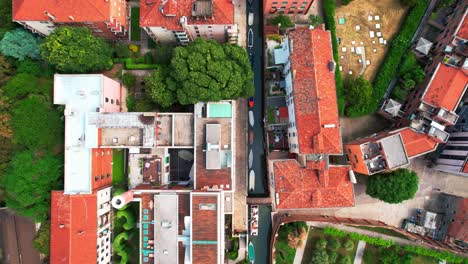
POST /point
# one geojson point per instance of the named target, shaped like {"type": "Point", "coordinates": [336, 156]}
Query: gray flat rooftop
{"type": "Point", "coordinates": [166, 228]}
{"type": "Point", "coordinates": [394, 150]}
{"type": "Point", "coordinates": [132, 128]}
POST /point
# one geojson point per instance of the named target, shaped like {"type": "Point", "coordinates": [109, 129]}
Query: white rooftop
{"type": "Point", "coordinates": [80, 94]}
{"type": "Point", "coordinates": [166, 228]}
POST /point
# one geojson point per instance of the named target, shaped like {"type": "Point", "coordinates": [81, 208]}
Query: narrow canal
{"type": "Point", "coordinates": [262, 241]}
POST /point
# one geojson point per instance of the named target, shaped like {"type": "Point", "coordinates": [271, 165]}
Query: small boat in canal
{"type": "Point", "coordinates": [251, 137]}
{"type": "Point", "coordinates": [251, 118]}
{"type": "Point", "coordinates": [250, 159]}
{"type": "Point", "coordinates": [251, 180]}
{"type": "Point", "coordinates": [254, 220]}
{"type": "Point", "coordinates": [251, 252]}
{"type": "Point", "coordinates": [250, 39]}
{"type": "Point", "coordinates": [251, 101]}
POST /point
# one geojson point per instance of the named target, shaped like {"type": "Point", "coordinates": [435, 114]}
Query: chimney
{"type": "Point", "coordinates": [329, 126]}
{"type": "Point", "coordinates": [71, 18]}
{"type": "Point", "coordinates": [49, 15]}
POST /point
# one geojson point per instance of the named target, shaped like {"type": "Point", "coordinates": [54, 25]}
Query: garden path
{"type": "Point", "coordinates": [300, 250]}
{"type": "Point", "coordinates": [359, 252]}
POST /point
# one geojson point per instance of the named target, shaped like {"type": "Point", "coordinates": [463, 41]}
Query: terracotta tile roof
{"type": "Point", "coordinates": [150, 16]}
{"type": "Point", "coordinates": [101, 165]}
{"type": "Point", "coordinates": [81, 11]}
{"type": "Point", "coordinates": [204, 230]}
{"type": "Point", "coordinates": [458, 229]}
{"type": "Point", "coordinates": [465, 168]}
{"type": "Point", "coordinates": [314, 92]}
{"type": "Point", "coordinates": [463, 30]}
{"type": "Point", "coordinates": [416, 143]}
{"type": "Point", "coordinates": [75, 241]}
{"type": "Point", "coordinates": [313, 186]}
{"type": "Point", "coordinates": [446, 88]}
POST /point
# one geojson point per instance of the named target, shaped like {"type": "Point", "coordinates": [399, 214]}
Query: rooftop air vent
{"type": "Point", "coordinates": [331, 66]}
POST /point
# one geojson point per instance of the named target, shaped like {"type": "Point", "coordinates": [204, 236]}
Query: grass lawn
{"type": "Point", "coordinates": [118, 177]}
{"type": "Point", "coordinates": [271, 115]}
{"type": "Point", "coordinates": [371, 256]}
{"type": "Point", "coordinates": [382, 230]}
{"type": "Point", "coordinates": [135, 24]}
{"type": "Point", "coordinates": [314, 235]}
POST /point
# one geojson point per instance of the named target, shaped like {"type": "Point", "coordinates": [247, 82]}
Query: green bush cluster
{"type": "Point", "coordinates": [356, 236]}
{"type": "Point", "coordinates": [138, 64]}
{"type": "Point", "coordinates": [397, 49]}
{"type": "Point", "coordinates": [135, 29]}
{"type": "Point", "coordinates": [329, 13]}
{"type": "Point", "coordinates": [448, 256]}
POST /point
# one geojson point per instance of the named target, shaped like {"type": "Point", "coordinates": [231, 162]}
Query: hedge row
{"type": "Point", "coordinates": [371, 240]}
{"type": "Point", "coordinates": [329, 13]}
{"type": "Point", "coordinates": [448, 256]}
{"type": "Point", "coordinates": [137, 63]}
{"type": "Point", "coordinates": [397, 49]}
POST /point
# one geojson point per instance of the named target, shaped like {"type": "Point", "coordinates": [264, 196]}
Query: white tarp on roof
{"type": "Point", "coordinates": [424, 46]}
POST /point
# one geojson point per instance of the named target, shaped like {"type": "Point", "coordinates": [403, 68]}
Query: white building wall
{"type": "Point", "coordinates": [42, 27]}
{"type": "Point", "coordinates": [215, 32]}
{"type": "Point", "coordinates": [162, 35]}
{"type": "Point", "coordinates": [104, 231]}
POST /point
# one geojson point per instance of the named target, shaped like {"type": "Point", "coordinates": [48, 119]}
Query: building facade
{"type": "Point", "coordinates": [289, 7]}
{"type": "Point", "coordinates": [105, 18]}
{"type": "Point", "coordinates": [179, 22]}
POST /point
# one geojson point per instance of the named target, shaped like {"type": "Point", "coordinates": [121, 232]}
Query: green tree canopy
{"type": "Point", "coordinates": [20, 44]}
{"type": "Point", "coordinates": [315, 20]}
{"type": "Point", "coordinates": [283, 21]}
{"type": "Point", "coordinates": [409, 2]}
{"type": "Point", "coordinates": [320, 257]}
{"type": "Point", "coordinates": [129, 223]}
{"type": "Point", "coordinates": [29, 179]}
{"type": "Point", "coordinates": [348, 245]}
{"type": "Point", "coordinates": [6, 70]}
{"type": "Point", "coordinates": [344, 260]}
{"type": "Point", "coordinates": [24, 84]}
{"type": "Point", "coordinates": [202, 71]}
{"type": "Point", "coordinates": [334, 244]}
{"type": "Point", "coordinates": [321, 243]}
{"type": "Point", "coordinates": [393, 187]}
{"type": "Point", "coordinates": [6, 23]}
{"type": "Point", "coordinates": [36, 124]}
{"type": "Point", "coordinates": [346, 2]}
{"type": "Point", "coordinates": [358, 95]}
{"type": "Point", "coordinates": [76, 50]}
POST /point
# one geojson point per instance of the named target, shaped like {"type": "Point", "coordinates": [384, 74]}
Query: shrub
{"type": "Point", "coordinates": [397, 49]}
{"type": "Point", "coordinates": [121, 51]}
{"type": "Point", "coordinates": [315, 20]}
{"type": "Point", "coordinates": [285, 21]}
{"type": "Point", "coordinates": [275, 38]}
{"type": "Point", "coordinates": [128, 80]}
{"type": "Point", "coordinates": [119, 242]}
{"type": "Point", "coordinates": [130, 103]}
{"type": "Point", "coordinates": [334, 244]}
{"type": "Point", "coordinates": [321, 243]}
{"type": "Point", "coordinates": [333, 257]}
{"type": "Point", "coordinates": [445, 255]}
{"type": "Point", "coordinates": [148, 58]}
{"type": "Point", "coordinates": [358, 95]}
{"type": "Point", "coordinates": [134, 48]}
{"type": "Point", "coordinates": [346, 2]}
{"type": "Point", "coordinates": [371, 240]}
{"type": "Point", "coordinates": [345, 260]}
{"type": "Point", "coordinates": [42, 240]}
{"type": "Point", "coordinates": [320, 257]}
{"type": "Point", "coordinates": [137, 64]}
{"type": "Point", "coordinates": [349, 244]}
{"type": "Point", "coordinates": [129, 219]}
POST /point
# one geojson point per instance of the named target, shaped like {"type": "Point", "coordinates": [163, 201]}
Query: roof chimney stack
{"type": "Point", "coordinates": [49, 15]}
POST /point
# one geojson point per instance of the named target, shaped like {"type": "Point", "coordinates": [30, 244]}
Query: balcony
{"type": "Point", "coordinates": [439, 134]}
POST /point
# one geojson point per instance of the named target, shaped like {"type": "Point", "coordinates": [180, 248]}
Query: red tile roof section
{"type": "Point", "coordinates": [204, 228]}
{"type": "Point", "coordinates": [283, 112]}
{"type": "Point", "coordinates": [313, 186]}
{"type": "Point", "coordinates": [210, 178]}
{"type": "Point", "coordinates": [465, 168]}
{"type": "Point", "coordinates": [416, 143]}
{"type": "Point", "coordinates": [314, 91]}
{"type": "Point", "coordinates": [81, 11]}
{"type": "Point", "coordinates": [75, 242]}
{"type": "Point", "coordinates": [150, 16]}
{"type": "Point", "coordinates": [463, 30]}
{"type": "Point", "coordinates": [446, 87]}
{"type": "Point", "coordinates": [459, 229]}
{"type": "Point", "coordinates": [101, 167]}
